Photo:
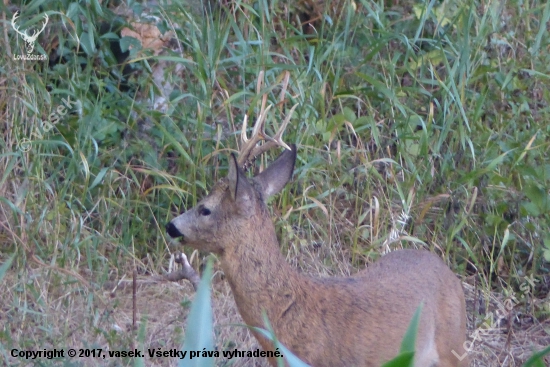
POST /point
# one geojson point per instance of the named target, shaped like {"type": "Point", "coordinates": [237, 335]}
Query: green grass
{"type": "Point", "coordinates": [418, 124]}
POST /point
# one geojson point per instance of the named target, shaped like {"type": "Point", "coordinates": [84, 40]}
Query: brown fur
{"type": "Point", "coordinates": [355, 321]}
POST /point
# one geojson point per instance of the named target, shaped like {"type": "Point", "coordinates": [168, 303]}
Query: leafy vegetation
{"type": "Point", "coordinates": [419, 123]}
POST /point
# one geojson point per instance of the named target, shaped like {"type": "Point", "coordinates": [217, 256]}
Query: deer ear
{"type": "Point", "coordinates": [275, 177]}
{"type": "Point", "coordinates": [238, 184]}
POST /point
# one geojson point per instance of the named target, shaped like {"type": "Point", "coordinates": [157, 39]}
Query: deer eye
{"type": "Point", "coordinates": [204, 211]}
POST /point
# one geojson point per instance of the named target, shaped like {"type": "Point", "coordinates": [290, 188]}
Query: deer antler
{"type": "Point", "coordinates": [250, 148]}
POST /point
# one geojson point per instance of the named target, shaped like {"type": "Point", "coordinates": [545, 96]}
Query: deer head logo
{"type": "Point", "coordinates": [29, 40]}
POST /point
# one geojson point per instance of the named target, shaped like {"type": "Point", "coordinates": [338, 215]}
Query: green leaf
{"type": "Point", "coordinates": [126, 41]}
{"type": "Point", "coordinates": [536, 359]}
{"type": "Point", "coordinates": [349, 114]}
{"type": "Point", "coordinates": [409, 340]}
{"type": "Point", "coordinates": [404, 359]}
{"type": "Point", "coordinates": [290, 358]}
{"type": "Point", "coordinates": [534, 50]}
{"type": "Point", "coordinates": [99, 177]}
{"type": "Point", "coordinates": [538, 196]}
{"type": "Point", "coordinates": [141, 337]}
{"type": "Point", "coordinates": [199, 334]}
{"type": "Point", "coordinates": [531, 208]}
{"type": "Point", "coordinates": [96, 7]}
{"type": "Point", "coordinates": [406, 355]}
{"type": "Point", "coordinates": [87, 42]}
{"type": "Point", "coordinates": [5, 266]}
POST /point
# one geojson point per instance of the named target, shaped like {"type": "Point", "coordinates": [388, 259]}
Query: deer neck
{"type": "Point", "coordinates": [259, 276]}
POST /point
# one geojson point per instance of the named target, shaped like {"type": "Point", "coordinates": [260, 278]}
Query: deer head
{"type": "Point", "coordinates": [29, 40]}
{"type": "Point", "coordinates": [234, 207]}
{"type": "Point", "coordinates": [222, 217]}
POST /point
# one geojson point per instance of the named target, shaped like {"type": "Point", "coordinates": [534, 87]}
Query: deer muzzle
{"type": "Point", "coordinates": [173, 231]}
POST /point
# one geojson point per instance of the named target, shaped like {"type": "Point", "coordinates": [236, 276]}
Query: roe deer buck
{"type": "Point", "coordinates": [355, 321]}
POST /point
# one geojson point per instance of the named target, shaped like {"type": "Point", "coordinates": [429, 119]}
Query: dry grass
{"type": "Point", "coordinates": [60, 314]}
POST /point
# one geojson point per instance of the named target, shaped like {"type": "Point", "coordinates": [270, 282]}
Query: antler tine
{"type": "Point", "coordinates": [250, 148]}
{"type": "Point", "coordinates": [259, 128]}
{"type": "Point", "coordinates": [251, 151]}
{"type": "Point", "coordinates": [278, 138]}
{"type": "Point", "coordinates": [258, 133]}
{"type": "Point", "coordinates": [275, 141]}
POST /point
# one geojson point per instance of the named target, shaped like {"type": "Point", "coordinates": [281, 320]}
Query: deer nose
{"type": "Point", "coordinates": [173, 231]}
